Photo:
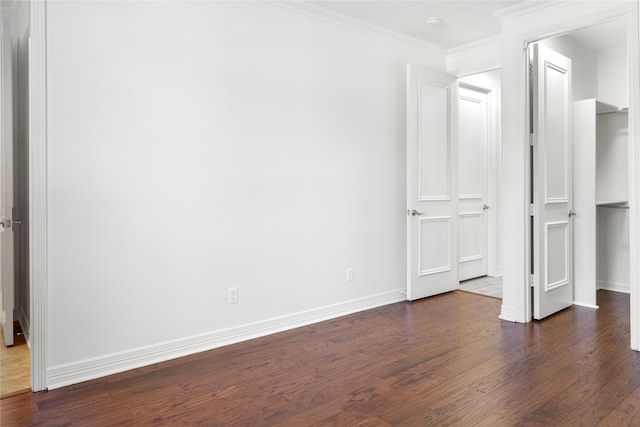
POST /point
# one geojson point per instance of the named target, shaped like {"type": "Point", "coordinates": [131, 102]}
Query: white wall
{"type": "Point", "coordinates": [612, 76]}
{"type": "Point", "coordinates": [196, 146]}
{"type": "Point", "coordinates": [613, 249]}
{"type": "Point", "coordinates": [475, 57]}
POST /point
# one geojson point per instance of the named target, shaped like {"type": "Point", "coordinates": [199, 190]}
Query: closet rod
{"type": "Point", "coordinates": [613, 207]}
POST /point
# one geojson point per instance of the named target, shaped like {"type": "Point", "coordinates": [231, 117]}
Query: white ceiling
{"type": "Point", "coordinates": [463, 21]}
{"type": "Point", "coordinates": [603, 36]}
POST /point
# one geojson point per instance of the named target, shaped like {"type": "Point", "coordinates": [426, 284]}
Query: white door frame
{"type": "Point", "coordinates": [38, 195]}
{"type": "Point", "coordinates": [544, 21]}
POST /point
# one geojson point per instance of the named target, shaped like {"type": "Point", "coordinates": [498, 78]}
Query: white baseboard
{"type": "Point", "coordinates": [495, 271]}
{"type": "Point", "coordinates": [613, 286]}
{"type": "Point", "coordinates": [585, 305]}
{"type": "Point", "coordinates": [507, 313]}
{"type": "Point", "coordinates": [84, 370]}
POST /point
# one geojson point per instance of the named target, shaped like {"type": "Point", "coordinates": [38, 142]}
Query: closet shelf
{"type": "Point", "coordinates": [618, 203]}
{"type": "Point", "coordinates": [604, 108]}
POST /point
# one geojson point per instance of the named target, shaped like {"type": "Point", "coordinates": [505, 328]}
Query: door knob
{"type": "Point", "coordinates": [572, 213]}
{"type": "Point", "coordinates": [416, 213]}
{"type": "Point", "coordinates": [485, 207]}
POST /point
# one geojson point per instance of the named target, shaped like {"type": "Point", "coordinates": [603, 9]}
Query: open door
{"type": "Point", "coordinates": [552, 182]}
{"type": "Point", "coordinates": [7, 298]}
{"type": "Point", "coordinates": [472, 183]}
{"type": "Point", "coordinates": [432, 206]}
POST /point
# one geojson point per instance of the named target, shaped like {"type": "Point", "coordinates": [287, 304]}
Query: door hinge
{"type": "Point", "coordinates": [533, 280]}
{"type": "Point", "coordinates": [531, 69]}
{"type": "Point", "coordinates": [532, 209]}
{"type": "Point", "coordinates": [532, 141]}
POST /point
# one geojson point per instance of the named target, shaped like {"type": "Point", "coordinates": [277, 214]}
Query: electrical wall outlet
{"type": "Point", "coordinates": [349, 274]}
{"type": "Point", "coordinates": [233, 295]}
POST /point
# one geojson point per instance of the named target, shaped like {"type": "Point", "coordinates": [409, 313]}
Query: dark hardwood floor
{"type": "Point", "coordinates": [446, 360]}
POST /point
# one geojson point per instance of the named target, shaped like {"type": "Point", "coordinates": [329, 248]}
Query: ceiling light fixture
{"type": "Point", "coordinates": [434, 21]}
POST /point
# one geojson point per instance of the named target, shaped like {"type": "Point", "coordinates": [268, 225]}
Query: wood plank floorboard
{"type": "Point", "coordinates": [443, 361]}
{"type": "Point", "coordinates": [14, 365]}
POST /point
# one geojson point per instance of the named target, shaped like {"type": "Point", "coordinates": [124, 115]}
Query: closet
{"type": "Point", "coordinates": [601, 194]}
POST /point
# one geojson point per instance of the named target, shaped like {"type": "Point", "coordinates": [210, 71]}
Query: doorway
{"type": "Point", "coordinates": [480, 174]}
{"type": "Point", "coordinates": [598, 211]}
{"type": "Point", "coordinates": [15, 206]}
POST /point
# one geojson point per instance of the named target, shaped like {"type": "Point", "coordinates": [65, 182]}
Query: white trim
{"type": "Point", "coordinates": [633, 64]}
{"type": "Point", "coordinates": [614, 286]}
{"type": "Point", "coordinates": [585, 305]}
{"type": "Point", "coordinates": [471, 258]}
{"type": "Point", "coordinates": [565, 281]}
{"type": "Point", "coordinates": [494, 181]}
{"type": "Point", "coordinates": [38, 195]}
{"type": "Point", "coordinates": [448, 267]}
{"type": "Point", "coordinates": [471, 214]}
{"type": "Point", "coordinates": [523, 8]}
{"type": "Point", "coordinates": [492, 43]}
{"type": "Point", "coordinates": [447, 88]}
{"type": "Point", "coordinates": [305, 8]}
{"type": "Point", "coordinates": [72, 373]}
{"type": "Point", "coordinates": [476, 57]}
{"type": "Point", "coordinates": [508, 313]}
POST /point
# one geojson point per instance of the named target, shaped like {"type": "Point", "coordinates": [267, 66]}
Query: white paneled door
{"type": "Point", "coordinates": [432, 206]}
{"type": "Point", "coordinates": [472, 166]}
{"type": "Point", "coordinates": [6, 192]}
{"type": "Point", "coordinates": [552, 182]}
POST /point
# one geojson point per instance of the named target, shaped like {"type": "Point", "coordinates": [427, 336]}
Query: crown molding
{"type": "Point", "coordinates": [491, 43]}
{"type": "Point", "coordinates": [317, 12]}
{"type": "Point", "coordinates": [523, 8]}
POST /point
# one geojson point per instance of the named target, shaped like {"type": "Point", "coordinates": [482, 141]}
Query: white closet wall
{"type": "Point", "coordinates": [613, 222]}
{"type": "Point", "coordinates": [601, 228]}
{"type": "Point", "coordinates": [612, 76]}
